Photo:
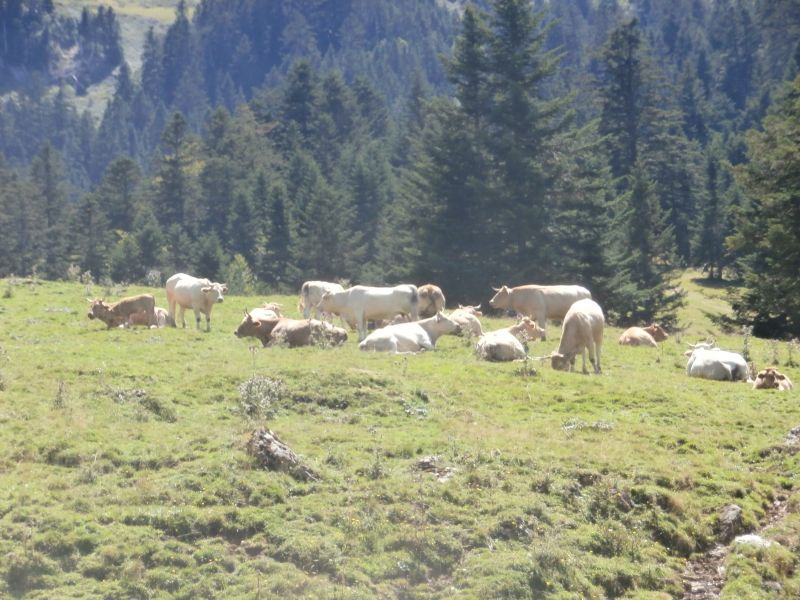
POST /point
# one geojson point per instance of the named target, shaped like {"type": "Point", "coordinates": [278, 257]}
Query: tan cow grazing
{"type": "Point", "coordinates": [161, 319]}
{"type": "Point", "coordinates": [431, 300]}
{"type": "Point", "coordinates": [508, 343]}
{"type": "Point", "coordinates": [539, 302]}
{"type": "Point", "coordinates": [118, 313]}
{"type": "Point", "coordinates": [467, 319]}
{"type": "Point", "coordinates": [582, 329]}
{"type": "Point", "coordinates": [643, 336]}
{"type": "Point", "coordinates": [362, 303]}
{"type": "Point", "coordinates": [311, 293]}
{"type": "Point", "coordinates": [406, 338]}
{"type": "Point", "coordinates": [200, 295]}
{"type": "Point", "coordinates": [771, 379]}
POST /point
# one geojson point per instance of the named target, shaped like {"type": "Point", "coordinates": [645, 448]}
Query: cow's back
{"type": "Point", "coordinates": [185, 289]}
{"type": "Point", "coordinates": [382, 302]}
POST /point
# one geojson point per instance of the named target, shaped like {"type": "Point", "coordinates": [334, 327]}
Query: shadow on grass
{"type": "Point", "coordinates": [717, 284]}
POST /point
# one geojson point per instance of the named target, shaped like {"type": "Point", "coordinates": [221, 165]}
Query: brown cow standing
{"type": "Point", "coordinates": [119, 313]}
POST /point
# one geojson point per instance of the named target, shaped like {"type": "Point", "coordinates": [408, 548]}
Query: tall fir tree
{"type": "Point", "coordinates": [48, 180]}
{"type": "Point", "coordinates": [767, 233]}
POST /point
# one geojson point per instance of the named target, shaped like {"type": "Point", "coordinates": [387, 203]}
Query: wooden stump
{"type": "Point", "coordinates": [274, 455]}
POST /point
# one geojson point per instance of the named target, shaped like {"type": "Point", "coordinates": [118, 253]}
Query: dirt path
{"type": "Point", "coordinates": [704, 576]}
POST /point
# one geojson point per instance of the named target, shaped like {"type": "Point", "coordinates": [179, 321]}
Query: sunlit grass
{"type": "Point", "coordinates": [123, 469]}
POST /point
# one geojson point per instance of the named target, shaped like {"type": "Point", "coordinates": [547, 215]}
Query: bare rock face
{"type": "Point", "coordinates": [730, 523]}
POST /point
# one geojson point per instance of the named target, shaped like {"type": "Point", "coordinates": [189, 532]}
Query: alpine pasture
{"type": "Point", "coordinates": [124, 471]}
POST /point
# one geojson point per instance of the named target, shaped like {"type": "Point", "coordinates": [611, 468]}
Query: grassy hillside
{"type": "Point", "coordinates": [123, 470]}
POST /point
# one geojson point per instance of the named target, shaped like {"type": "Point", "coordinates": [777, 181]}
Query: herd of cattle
{"type": "Point", "coordinates": [410, 319]}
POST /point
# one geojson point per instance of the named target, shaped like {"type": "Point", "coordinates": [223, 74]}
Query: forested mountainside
{"type": "Point", "coordinates": [381, 140]}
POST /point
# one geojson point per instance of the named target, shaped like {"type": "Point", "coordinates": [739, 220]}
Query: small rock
{"type": "Point", "coordinates": [752, 539]}
{"type": "Point", "coordinates": [730, 522]}
{"type": "Point", "coordinates": [773, 586]}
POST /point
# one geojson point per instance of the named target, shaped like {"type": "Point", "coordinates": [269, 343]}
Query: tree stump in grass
{"type": "Point", "coordinates": [274, 455]}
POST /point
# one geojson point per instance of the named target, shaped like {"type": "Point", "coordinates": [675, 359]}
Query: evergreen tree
{"type": "Point", "coordinates": [174, 193]}
{"type": "Point", "coordinates": [48, 179]}
{"type": "Point", "coordinates": [92, 239]}
{"type": "Point", "coordinates": [274, 261]}
{"type": "Point", "coordinates": [117, 192]}
{"type": "Point", "coordinates": [768, 232]}
{"type": "Point", "coordinates": [642, 289]}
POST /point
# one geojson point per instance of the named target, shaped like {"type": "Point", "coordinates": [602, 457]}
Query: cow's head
{"type": "Point", "coordinates": [501, 297]}
{"type": "Point", "coordinates": [445, 324]}
{"type": "Point", "coordinates": [472, 310]}
{"type": "Point", "coordinates": [248, 327]}
{"type": "Point", "coordinates": [214, 292]}
{"type": "Point", "coordinates": [560, 362]}
{"type": "Point", "coordinates": [97, 309]}
{"type": "Point", "coordinates": [770, 378]}
{"type": "Point", "coordinates": [529, 328]}
{"type": "Point", "coordinates": [658, 332]}
{"type": "Point", "coordinates": [324, 304]}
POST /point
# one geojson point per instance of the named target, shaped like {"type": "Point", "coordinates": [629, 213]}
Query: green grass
{"type": "Point", "coordinates": [123, 470]}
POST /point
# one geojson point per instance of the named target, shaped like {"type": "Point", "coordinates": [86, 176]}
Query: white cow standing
{"type": "Point", "coordinates": [539, 302]}
{"type": "Point", "coordinates": [362, 303]}
{"type": "Point", "coordinates": [582, 329]}
{"type": "Point", "coordinates": [311, 293]}
{"type": "Point", "coordinates": [409, 337]}
{"type": "Point", "coordinates": [200, 295]}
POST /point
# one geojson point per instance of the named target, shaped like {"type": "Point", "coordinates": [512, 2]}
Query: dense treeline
{"type": "Point", "coordinates": [267, 143]}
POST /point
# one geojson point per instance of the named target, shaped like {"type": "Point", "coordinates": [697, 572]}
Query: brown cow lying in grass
{"type": "Point", "coordinates": [119, 313]}
{"type": "Point", "coordinates": [643, 336]}
{"type": "Point", "coordinates": [771, 379]}
{"type": "Point", "coordinates": [258, 323]}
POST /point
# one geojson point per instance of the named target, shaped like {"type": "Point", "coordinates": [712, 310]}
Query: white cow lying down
{"type": "Point", "coordinates": [409, 337]}
{"type": "Point", "coordinates": [716, 364]}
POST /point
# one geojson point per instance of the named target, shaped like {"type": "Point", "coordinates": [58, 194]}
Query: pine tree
{"type": "Point", "coordinates": [91, 235]}
{"type": "Point", "coordinates": [174, 190]}
{"type": "Point", "coordinates": [642, 288]}
{"type": "Point", "coordinates": [117, 192]}
{"type": "Point", "coordinates": [48, 180]}
{"type": "Point", "coordinates": [768, 232]}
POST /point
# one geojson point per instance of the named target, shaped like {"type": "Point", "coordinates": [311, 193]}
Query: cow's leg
{"type": "Point", "coordinates": [196, 318]}
{"type": "Point", "coordinates": [542, 323]}
{"type": "Point", "coordinates": [361, 326]}
{"type": "Point", "coordinates": [208, 321]}
{"type": "Point", "coordinates": [597, 347]}
{"type": "Point", "coordinates": [584, 370]}
{"type": "Point", "coordinates": [182, 314]}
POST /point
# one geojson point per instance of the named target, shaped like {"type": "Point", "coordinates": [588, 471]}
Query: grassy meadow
{"type": "Point", "coordinates": [124, 472]}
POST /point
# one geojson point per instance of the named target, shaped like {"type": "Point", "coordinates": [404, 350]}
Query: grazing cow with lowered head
{"type": "Point", "coordinates": [539, 302]}
{"type": "Point", "coordinates": [581, 330]}
{"type": "Point", "coordinates": [508, 343]}
{"type": "Point", "coordinates": [771, 379]}
{"type": "Point", "coordinates": [311, 293]}
{"type": "Point", "coordinates": [362, 303]}
{"type": "Point", "coordinates": [200, 295]}
{"type": "Point", "coordinates": [643, 336]}
{"type": "Point", "coordinates": [409, 337]}
{"type": "Point", "coordinates": [119, 313]}
{"type": "Point", "coordinates": [431, 300]}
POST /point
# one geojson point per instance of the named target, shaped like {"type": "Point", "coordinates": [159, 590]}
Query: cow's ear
{"type": "Point", "coordinates": [224, 288]}
{"type": "Point", "coordinates": [257, 323]}
{"type": "Point", "coordinates": [205, 290]}
{"type": "Point", "coordinates": [780, 376]}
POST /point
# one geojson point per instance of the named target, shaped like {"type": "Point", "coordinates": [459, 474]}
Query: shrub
{"type": "Point", "coordinates": [258, 394]}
